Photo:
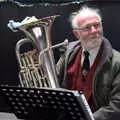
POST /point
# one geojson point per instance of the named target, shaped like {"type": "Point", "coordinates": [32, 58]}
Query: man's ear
{"type": "Point", "coordinates": [75, 32]}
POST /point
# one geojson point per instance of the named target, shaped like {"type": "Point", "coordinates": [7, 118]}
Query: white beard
{"type": "Point", "coordinates": [91, 44]}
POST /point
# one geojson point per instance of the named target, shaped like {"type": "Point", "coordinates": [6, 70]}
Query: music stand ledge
{"type": "Point", "coordinates": [46, 103]}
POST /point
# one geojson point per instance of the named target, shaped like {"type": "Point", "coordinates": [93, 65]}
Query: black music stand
{"type": "Point", "coordinates": [47, 103]}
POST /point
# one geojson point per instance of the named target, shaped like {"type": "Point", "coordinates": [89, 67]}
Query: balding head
{"type": "Point", "coordinates": [83, 13]}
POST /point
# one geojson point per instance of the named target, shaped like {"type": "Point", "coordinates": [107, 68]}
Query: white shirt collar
{"type": "Point", "coordinates": [92, 55]}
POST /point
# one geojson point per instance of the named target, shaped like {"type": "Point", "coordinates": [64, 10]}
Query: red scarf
{"type": "Point", "coordinates": [75, 75]}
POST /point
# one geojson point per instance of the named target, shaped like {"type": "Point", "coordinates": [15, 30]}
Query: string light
{"type": "Point", "coordinates": [45, 3]}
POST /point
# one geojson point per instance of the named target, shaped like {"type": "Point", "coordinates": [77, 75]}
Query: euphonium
{"type": "Point", "coordinates": [40, 72]}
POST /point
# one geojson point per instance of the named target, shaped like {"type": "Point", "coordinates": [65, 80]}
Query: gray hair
{"type": "Point", "coordinates": [83, 11]}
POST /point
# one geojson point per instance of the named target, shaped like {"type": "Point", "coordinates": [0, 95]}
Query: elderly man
{"type": "Point", "coordinates": [92, 65]}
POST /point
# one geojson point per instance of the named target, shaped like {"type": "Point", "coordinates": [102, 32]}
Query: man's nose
{"type": "Point", "coordinates": [93, 29]}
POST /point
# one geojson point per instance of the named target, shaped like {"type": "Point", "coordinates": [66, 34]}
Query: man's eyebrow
{"type": "Point", "coordinates": [80, 28]}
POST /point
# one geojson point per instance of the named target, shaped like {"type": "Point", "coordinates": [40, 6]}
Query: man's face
{"type": "Point", "coordinates": [89, 29]}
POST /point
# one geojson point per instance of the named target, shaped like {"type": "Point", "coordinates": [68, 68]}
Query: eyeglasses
{"type": "Point", "coordinates": [89, 27]}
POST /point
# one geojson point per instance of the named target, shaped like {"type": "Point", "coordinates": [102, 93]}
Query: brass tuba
{"type": "Point", "coordinates": [39, 72]}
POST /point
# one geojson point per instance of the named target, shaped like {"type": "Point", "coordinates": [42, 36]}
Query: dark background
{"type": "Point", "coordinates": [61, 29]}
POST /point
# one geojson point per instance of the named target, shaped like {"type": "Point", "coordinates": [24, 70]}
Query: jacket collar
{"type": "Point", "coordinates": [106, 48]}
{"type": "Point", "coordinates": [106, 53]}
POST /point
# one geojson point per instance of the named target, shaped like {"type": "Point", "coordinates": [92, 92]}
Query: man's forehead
{"type": "Point", "coordinates": [87, 19]}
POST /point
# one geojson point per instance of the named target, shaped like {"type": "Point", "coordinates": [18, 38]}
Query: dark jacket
{"type": "Point", "coordinates": [106, 82]}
